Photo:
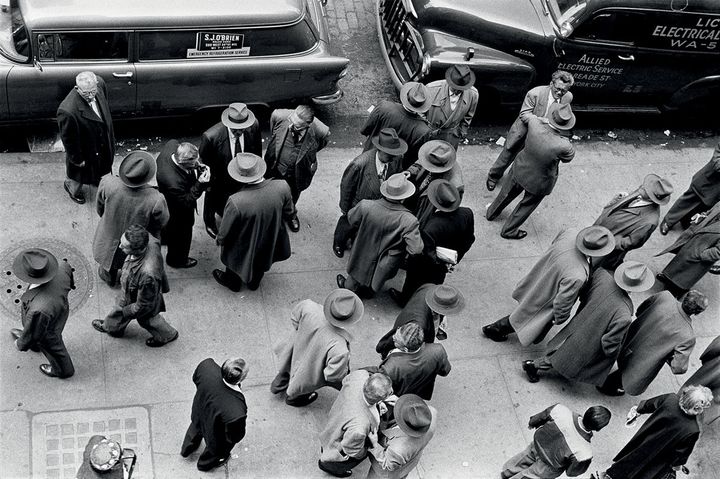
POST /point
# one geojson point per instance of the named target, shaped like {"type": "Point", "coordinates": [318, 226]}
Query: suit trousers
{"type": "Point", "coordinates": [510, 190]}
{"type": "Point", "coordinates": [57, 355]}
{"type": "Point", "coordinates": [344, 233]}
{"type": "Point", "coordinates": [528, 465]}
{"type": "Point", "coordinates": [209, 210]}
{"type": "Point", "coordinates": [156, 325]}
{"type": "Point", "coordinates": [178, 237]}
{"type": "Point", "coordinates": [684, 208]}
{"type": "Point", "coordinates": [503, 161]}
{"type": "Point", "coordinates": [209, 459]}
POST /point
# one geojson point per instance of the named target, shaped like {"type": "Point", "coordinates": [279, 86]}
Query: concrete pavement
{"type": "Point", "coordinates": [142, 396]}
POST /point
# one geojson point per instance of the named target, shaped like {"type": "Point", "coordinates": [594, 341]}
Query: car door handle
{"type": "Point", "coordinates": [123, 75]}
{"type": "Point", "coordinates": [629, 58]}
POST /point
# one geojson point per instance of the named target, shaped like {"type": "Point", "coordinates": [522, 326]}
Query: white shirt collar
{"type": "Point", "coordinates": [234, 387]}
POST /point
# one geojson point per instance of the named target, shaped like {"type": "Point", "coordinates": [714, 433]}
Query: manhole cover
{"type": "Point", "coordinates": [12, 287]}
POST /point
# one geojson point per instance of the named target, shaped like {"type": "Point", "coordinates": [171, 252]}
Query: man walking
{"type": "Point", "coordinates": [708, 375]}
{"type": "Point", "coordinates": [123, 201]}
{"type": "Point", "coordinates": [536, 169]}
{"type": "Point", "coordinates": [454, 101]}
{"type": "Point", "coordinates": [143, 282]}
{"type": "Point", "coordinates": [252, 234]}
{"type": "Point", "coordinates": [291, 153]}
{"type": "Point", "coordinates": [182, 180]}
{"type": "Point", "coordinates": [44, 309]}
{"type": "Point", "coordinates": [219, 412]}
{"type": "Point", "coordinates": [86, 130]}
{"type": "Point", "coordinates": [318, 354]}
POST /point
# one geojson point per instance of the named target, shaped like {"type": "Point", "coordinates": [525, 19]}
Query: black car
{"type": "Point", "coordinates": [634, 55]}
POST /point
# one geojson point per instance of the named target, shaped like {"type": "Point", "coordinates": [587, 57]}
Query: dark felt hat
{"type": "Point", "coordinates": [460, 77]}
{"type": "Point", "coordinates": [634, 276]}
{"type": "Point", "coordinates": [437, 156]}
{"type": "Point", "coordinates": [137, 168]}
{"type": "Point", "coordinates": [561, 116]}
{"type": "Point", "coordinates": [445, 299]}
{"type": "Point", "coordinates": [415, 97]}
{"type": "Point", "coordinates": [35, 265]}
{"type": "Point", "coordinates": [343, 307]}
{"type": "Point", "coordinates": [413, 415]}
{"type": "Point", "coordinates": [444, 195]}
{"type": "Point", "coordinates": [389, 142]}
{"type": "Point", "coordinates": [658, 189]}
{"type": "Point", "coordinates": [595, 241]}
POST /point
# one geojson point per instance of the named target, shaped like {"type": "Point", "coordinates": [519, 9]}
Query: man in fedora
{"type": "Point", "coordinates": [537, 103]}
{"type": "Point", "coordinates": [237, 132]}
{"type": "Point", "coordinates": [182, 180]}
{"type": "Point", "coordinates": [586, 349]}
{"type": "Point", "coordinates": [703, 193]}
{"type": "Point", "coordinates": [662, 333]}
{"type": "Point", "coordinates": [318, 353]}
{"type": "Point", "coordinates": [454, 100]}
{"type": "Point", "coordinates": [143, 282]}
{"type": "Point", "coordinates": [708, 375]}
{"type": "Point", "coordinates": [86, 130]}
{"type": "Point", "coordinates": [256, 216]}
{"type": "Point", "coordinates": [449, 226]}
{"type": "Point", "coordinates": [386, 230]}
{"type": "Point", "coordinates": [362, 178]}
{"type": "Point", "coordinates": [536, 168]}
{"type": "Point", "coordinates": [406, 118]}
{"type": "Point", "coordinates": [291, 153]}
{"type": "Point", "coordinates": [632, 218]}
{"type": "Point", "coordinates": [429, 307]}
{"type": "Point", "coordinates": [44, 309]}
{"type": "Point", "coordinates": [122, 201]}
{"type": "Point", "coordinates": [396, 450]}
{"type": "Point", "coordinates": [547, 294]}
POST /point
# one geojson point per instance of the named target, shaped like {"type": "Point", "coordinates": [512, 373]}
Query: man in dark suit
{"type": "Point", "coordinates": [219, 412]}
{"type": "Point", "coordinates": [182, 180]}
{"type": "Point", "coordinates": [362, 178]}
{"type": "Point", "coordinates": [291, 153]}
{"type": "Point", "coordinates": [703, 193]}
{"type": "Point", "coordinates": [87, 134]}
{"type": "Point", "coordinates": [237, 132]}
{"type": "Point", "coordinates": [536, 168]}
{"type": "Point", "coordinates": [44, 309]}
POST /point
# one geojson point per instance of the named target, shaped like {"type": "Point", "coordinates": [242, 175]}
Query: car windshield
{"type": "Point", "coordinates": [14, 40]}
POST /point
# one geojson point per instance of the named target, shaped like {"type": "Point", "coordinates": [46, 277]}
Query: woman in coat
{"type": "Point", "coordinates": [709, 376]}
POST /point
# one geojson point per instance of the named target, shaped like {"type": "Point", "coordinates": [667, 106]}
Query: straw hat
{"type": "Point", "coordinates": [634, 276]}
{"type": "Point", "coordinates": [237, 116]}
{"type": "Point", "coordinates": [397, 187]}
{"type": "Point", "coordinates": [246, 167]}
{"type": "Point", "coordinates": [445, 299]}
{"type": "Point", "coordinates": [437, 156]}
{"type": "Point", "coordinates": [561, 116]}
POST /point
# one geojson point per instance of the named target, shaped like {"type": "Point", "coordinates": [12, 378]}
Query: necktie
{"type": "Point", "coordinates": [296, 135]}
{"type": "Point", "coordinates": [238, 146]}
{"type": "Point", "coordinates": [383, 172]}
{"type": "Point", "coordinates": [94, 106]}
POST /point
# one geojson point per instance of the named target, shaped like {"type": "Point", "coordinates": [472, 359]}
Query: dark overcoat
{"type": "Point", "coordinates": [588, 346]}
{"type": "Point", "coordinates": [180, 188]}
{"type": "Point", "coordinates": [415, 310]}
{"type": "Point", "coordinates": [253, 234]}
{"type": "Point", "coordinates": [709, 376]}
{"type": "Point", "coordinates": [143, 287]}
{"type": "Point", "coordinates": [706, 182]}
{"type": "Point", "coordinates": [415, 372]}
{"type": "Point", "coordinates": [360, 180]}
{"type": "Point", "coordinates": [89, 141]}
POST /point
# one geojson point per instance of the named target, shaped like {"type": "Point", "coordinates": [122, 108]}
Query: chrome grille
{"type": "Point", "coordinates": [401, 40]}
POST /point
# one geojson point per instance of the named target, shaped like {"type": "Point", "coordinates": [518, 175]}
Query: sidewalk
{"type": "Point", "coordinates": [142, 396]}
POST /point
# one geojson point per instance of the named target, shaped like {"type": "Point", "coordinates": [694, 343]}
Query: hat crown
{"type": "Point", "coordinates": [343, 307]}
{"type": "Point", "coordinates": [388, 138]}
{"type": "Point", "coordinates": [397, 185]}
{"type": "Point", "coordinates": [635, 273]}
{"type": "Point", "coordinates": [417, 416]}
{"type": "Point", "coordinates": [417, 95]}
{"type": "Point", "coordinates": [440, 154]}
{"type": "Point", "coordinates": [35, 263]}
{"type": "Point", "coordinates": [238, 112]}
{"type": "Point", "coordinates": [461, 75]}
{"type": "Point", "coordinates": [447, 195]}
{"type": "Point", "coordinates": [657, 188]}
{"type": "Point", "coordinates": [446, 295]}
{"type": "Point", "coordinates": [136, 169]}
{"type": "Point", "coordinates": [247, 164]}
{"type": "Point", "coordinates": [595, 239]}
{"type": "Point", "coordinates": [563, 114]}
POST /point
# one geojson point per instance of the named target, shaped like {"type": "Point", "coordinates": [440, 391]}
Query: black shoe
{"type": "Point", "coordinates": [294, 224]}
{"type": "Point", "coordinates": [47, 370]}
{"type": "Point", "coordinates": [340, 280]}
{"type": "Point", "coordinates": [338, 251]}
{"type": "Point", "coordinates": [212, 465]}
{"type": "Point", "coordinates": [397, 296]}
{"type": "Point", "coordinates": [515, 236]}
{"type": "Point", "coordinates": [189, 449]}
{"type": "Point", "coordinates": [220, 278]}
{"type": "Point", "coordinates": [77, 199]}
{"type": "Point", "coordinates": [211, 232]}
{"type": "Point", "coordinates": [303, 400]}
{"type": "Point", "coordinates": [531, 371]}
{"type": "Point", "coordinates": [189, 263]}
{"type": "Point", "coordinates": [491, 331]}
{"type": "Point", "coordinates": [490, 184]}
{"type": "Point", "coordinates": [153, 343]}
{"type": "Point", "coordinates": [610, 391]}
{"type": "Point", "coordinates": [346, 473]}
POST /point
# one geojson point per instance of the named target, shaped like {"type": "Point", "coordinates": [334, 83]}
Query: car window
{"type": "Point", "coordinates": [214, 43]}
{"type": "Point", "coordinates": [81, 46]}
{"type": "Point", "coordinates": [14, 41]}
{"type": "Point", "coordinates": [612, 27]}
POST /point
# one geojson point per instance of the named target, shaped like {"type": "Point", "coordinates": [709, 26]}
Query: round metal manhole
{"type": "Point", "coordinates": [12, 288]}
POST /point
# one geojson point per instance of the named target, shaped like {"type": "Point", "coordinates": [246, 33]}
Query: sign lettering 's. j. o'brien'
{"type": "Point", "coordinates": [702, 35]}
{"type": "Point", "coordinates": [591, 71]}
{"type": "Point", "coordinates": [219, 44]}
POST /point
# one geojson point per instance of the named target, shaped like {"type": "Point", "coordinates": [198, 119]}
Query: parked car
{"type": "Point", "coordinates": [165, 57]}
{"type": "Point", "coordinates": [633, 55]}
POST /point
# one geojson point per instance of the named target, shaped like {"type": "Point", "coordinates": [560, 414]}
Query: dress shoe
{"type": "Point", "coordinates": [664, 228]}
{"type": "Point", "coordinates": [492, 332]}
{"type": "Point", "coordinates": [154, 343]}
{"type": "Point", "coordinates": [531, 371]}
{"type": "Point", "coordinates": [345, 473]}
{"type": "Point", "coordinates": [46, 369]}
{"type": "Point", "coordinates": [490, 184]}
{"type": "Point", "coordinates": [303, 400]}
{"type": "Point", "coordinates": [338, 251]}
{"type": "Point", "coordinates": [189, 263]}
{"type": "Point", "coordinates": [189, 449]}
{"type": "Point", "coordinates": [397, 296]}
{"type": "Point", "coordinates": [610, 391]}
{"type": "Point", "coordinates": [294, 224]}
{"type": "Point", "coordinates": [100, 326]}
{"type": "Point", "coordinates": [77, 199]}
{"type": "Point", "coordinates": [220, 278]}
{"type": "Point", "coordinates": [515, 236]}
{"type": "Point", "coordinates": [212, 465]}
{"type": "Point", "coordinates": [16, 333]}
{"type": "Point", "coordinates": [211, 232]}
{"type": "Point", "coordinates": [340, 279]}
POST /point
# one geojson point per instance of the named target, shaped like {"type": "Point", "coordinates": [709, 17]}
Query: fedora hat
{"type": "Point", "coordinates": [634, 276]}
{"type": "Point", "coordinates": [595, 241]}
{"type": "Point", "coordinates": [413, 415]}
{"type": "Point", "coordinates": [246, 168]}
{"type": "Point", "coordinates": [35, 265]}
{"type": "Point", "coordinates": [444, 195]}
{"type": "Point", "coordinates": [237, 116]}
{"type": "Point", "coordinates": [415, 97]}
{"type": "Point", "coordinates": [343, 307]}
{"type": "Point", "coordinates": [137, 168]}
{"type": "Point", "coordinates": [445, 299]}
{"type": "Point", "coordinates": [397, 187]}
{"type": "Point", "coordinates": [658, 189]}
{"type": "Point", "coordinates": [561, 116]}
{"type": "Point", "coordinates": [437, 156]}
{"type": "Point", "coordinates": [389, 142]}
{"type": "Point", "coordinates": [460, 77]}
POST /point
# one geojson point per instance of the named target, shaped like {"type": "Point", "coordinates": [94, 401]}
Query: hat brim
{"type": "Point", "coordinates": [644, 285]}
{"type": "Point", "coordinates": [653, 197]}
{"type": "Point", "coordinates": [234, 125]}
{"type": "Point", "coordinates": [417, 109]}
{"type": "Point", "coordinates": [605, 250]}
{"type": "Point", "coordinates": [449, 80]}
{"type": "Point", "coordinates": [390, 151]}
{"type": "Point", "coordinates": [442, 309]}
{"type": "Point", "coordinates": [357, 315]}
{"type": "Point", "coordinates": [431, 194]}
{"type": "Point", "coordinates": [152, 169]}
{"type": "Point", "coordinates": [404, 401]}
{"type": "Point", "coordinates": [423, 161]}
{"type": "Point", "coordinates": [406, 194]}
{"type": "Point", "coordinates": [234, 172]}
{"type": "Point", "coordinates": [20, 272]}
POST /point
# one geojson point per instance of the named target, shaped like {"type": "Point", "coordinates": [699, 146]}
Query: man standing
{"type": "Point", "coordinates": [291, 153]}
{"type": "Point", "coordinates": [44, 309]}
{"type": "Point", "coordinates": [537, 103]}
{"type": "Point", "coordinates": [318, 354]}
{"type": "Point", "coordinates": [586, 349]}
{"type": "Point", "coordinates": [86, 130]}
{"type": "Point", "coordinates": [123, 201]}
{"type": "Point", "coordinates": [252, 234]}
{"type": "Point", "coordinates": [385, 231]}
{"type": "Point", "coordinates": [703, 193]}
{"type": "Point", "coordinates": [536, 169]}
{"type": "Point", "coordinates": [353, 417]}
{"type": "Point", "coordinates": [561, 443]}
{"type": "Point", "coordinates": [143, 282]}
{"type": "Point", "coordinates": [362, 178]}
{"type": "Point", "coordinates": [632, 218]}
{"type": "Point", "coordinates": [661, 333]}
{"type": "Point", "coordinates": [709, 376]}
{"type": "Point", "coordinates": [454, 101]}
{"type": "Point", "coordinates": [219, 412]}
{"type": "Point", "coordinates": [404, 117]}
{"type": "Point", "coordinates": [237, 132]}
{"type": "Point", "coordinates": [181, 185]}
{"type": "Point", "coordinates": [547, 294]}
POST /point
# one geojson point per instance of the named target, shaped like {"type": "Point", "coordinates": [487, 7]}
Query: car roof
{"type": "Point", "coordinates": [125, 14]}
{"type": "Point", "coordinates": [690, 6]}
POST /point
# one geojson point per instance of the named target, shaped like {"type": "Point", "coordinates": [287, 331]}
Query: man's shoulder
{"type": "Point", "coordinates": [216, 131]}
{"type": "Point", "coordinates": [363, 158]}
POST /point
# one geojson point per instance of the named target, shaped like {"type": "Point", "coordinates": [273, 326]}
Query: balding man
{"type": "Point", "coordinates": [87, 134]}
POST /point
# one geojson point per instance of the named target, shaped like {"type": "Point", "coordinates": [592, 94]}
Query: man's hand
{"type": "Point", "coordinates": [205, 175]}
{"type": "Point", "coordinates": [373, 436]}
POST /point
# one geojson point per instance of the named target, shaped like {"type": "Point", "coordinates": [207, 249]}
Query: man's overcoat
{"type": "Point", "coordinates": [360, 180]}
{"type": "Point", "coordinates": [416, 310]}
{"type": "Point", "coordinates": [411, 128]}
{"type": "Point", "coordinates": [448, 124]}
{"type": "Point", "coordinates": [706, 182]}
{"type": "Point", "coordinates": [709, 376]}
